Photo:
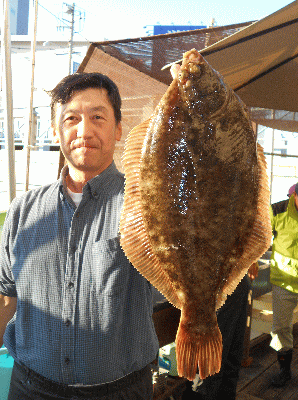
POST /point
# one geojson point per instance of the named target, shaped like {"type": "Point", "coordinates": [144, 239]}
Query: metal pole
{"type": "Point", "coordinates": [8, 102]}
{"type": "Point", "coordinates": [71, 11]}
{"type": "Point", "coordinates": [30, 127]}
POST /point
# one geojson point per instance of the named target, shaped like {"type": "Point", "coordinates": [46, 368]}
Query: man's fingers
{"type": "Point", "coordinates": [175, 68]}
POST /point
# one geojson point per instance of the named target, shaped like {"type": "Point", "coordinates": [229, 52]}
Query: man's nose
{"type": "Point", "coordinates": [84, 129]}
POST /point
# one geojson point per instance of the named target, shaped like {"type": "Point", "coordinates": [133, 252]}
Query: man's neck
{"type": "Point", "coordinates": [74, 186]}
{"type": "Point", "coordinates": [76, 180]}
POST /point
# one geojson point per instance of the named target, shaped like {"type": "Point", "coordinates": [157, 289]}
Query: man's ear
{"type": "Point", "coordinates": [56, 138]}
{"type": "Point", "coordinates": [118, 131]}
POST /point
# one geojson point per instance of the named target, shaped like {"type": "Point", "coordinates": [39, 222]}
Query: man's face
{"type": "Point", "coordinates": [87, 130]}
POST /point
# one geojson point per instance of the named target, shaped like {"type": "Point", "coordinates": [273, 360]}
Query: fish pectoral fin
{"type": "Point", "coordinates": [197, 351]}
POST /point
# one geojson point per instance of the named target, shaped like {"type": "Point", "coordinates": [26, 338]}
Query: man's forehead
{"type": "Point", "coordinates": [69, 108]}
{"type": "Point", "coordinates": [102, 93]}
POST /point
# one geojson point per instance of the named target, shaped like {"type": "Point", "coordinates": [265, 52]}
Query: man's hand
{"type": "Point", "coordinates": [175, 68]}
{"type": "Point", "coordinates": [8, 306]}
{"type": "Point", "coordinates": [253, 271]}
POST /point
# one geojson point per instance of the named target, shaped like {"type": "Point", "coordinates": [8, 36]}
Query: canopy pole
{"type": "Point", "coordinates": [30, 127]}
{"type": "Point", "coordinates": [8, 102]}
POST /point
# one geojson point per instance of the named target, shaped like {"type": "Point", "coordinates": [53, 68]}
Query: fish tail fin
{"type": "Point", "coordinates": [197, 351]}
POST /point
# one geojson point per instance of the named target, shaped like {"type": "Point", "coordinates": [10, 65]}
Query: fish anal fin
{"type": "Point", "coordinates": [201, 351]}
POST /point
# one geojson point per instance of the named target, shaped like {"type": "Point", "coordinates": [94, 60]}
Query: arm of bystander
{"type": "Point", "coordinates": [253, 271]}
{"type": "Point", "coordinates": [8, 306]}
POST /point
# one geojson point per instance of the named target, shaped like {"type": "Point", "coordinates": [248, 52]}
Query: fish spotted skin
{"type": "Point", "coordinates": [200, 184]}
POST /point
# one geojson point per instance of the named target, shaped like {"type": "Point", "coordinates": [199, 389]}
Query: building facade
{"type": "Point", "coordinates": [19, 16]}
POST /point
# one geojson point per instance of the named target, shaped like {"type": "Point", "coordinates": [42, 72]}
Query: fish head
{"type": "Point", "coordinates": [201, 88]}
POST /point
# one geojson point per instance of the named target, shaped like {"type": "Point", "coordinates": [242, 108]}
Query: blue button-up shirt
{"type": "Point", "coordinates": [84, 314]}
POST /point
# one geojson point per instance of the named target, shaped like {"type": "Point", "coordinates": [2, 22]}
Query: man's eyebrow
{"type": "Point", "coordinates": [98, 108]}
{"type": "Point", "coordinates": [73, 110]}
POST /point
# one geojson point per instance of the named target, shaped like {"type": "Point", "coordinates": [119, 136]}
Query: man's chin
{"type": "Point", "coordinates": [90, 167]}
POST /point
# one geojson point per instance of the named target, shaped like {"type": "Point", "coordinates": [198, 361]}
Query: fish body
{"type": "Point", "coordinates": [196, 205]}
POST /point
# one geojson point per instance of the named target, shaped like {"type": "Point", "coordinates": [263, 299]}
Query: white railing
{"type": "Point", "coordinates": [41, 123]}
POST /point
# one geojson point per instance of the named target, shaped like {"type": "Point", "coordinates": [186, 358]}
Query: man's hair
{"type": "Point", "coordinates": [71, 84]}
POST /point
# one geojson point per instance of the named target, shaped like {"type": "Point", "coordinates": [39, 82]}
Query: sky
{"type": "Point", "coordinates": [121, 19]}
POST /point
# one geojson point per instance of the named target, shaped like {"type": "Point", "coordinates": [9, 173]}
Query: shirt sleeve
{"type": "Point", "coordinates": [7, 283]}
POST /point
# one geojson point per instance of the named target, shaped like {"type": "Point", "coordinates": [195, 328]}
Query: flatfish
{"type": "Point", "coordinates": [196, 205]}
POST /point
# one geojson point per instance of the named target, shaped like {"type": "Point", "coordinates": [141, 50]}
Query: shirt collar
{"type": "Point", "coordinates": [96, 185]}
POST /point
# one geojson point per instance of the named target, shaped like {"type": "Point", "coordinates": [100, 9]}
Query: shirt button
{"type": "Point", "coordinates": [67, 360]}
{"type": "Point", "coordinates": [71, 285]}
{"type": "Point", "coordinates": [67, 322]}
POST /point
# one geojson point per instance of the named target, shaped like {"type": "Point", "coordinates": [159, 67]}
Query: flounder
{"type": "Point", "coordinates": [196, 205]}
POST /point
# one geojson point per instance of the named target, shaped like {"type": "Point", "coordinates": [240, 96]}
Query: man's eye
{"type": "Point", "coordinates": [69, 119]}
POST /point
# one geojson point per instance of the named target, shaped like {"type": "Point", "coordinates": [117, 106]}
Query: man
{"type": "Point", "coordinates": [284, 279]}
{"type": "Point", "coordinates": [83, 327]}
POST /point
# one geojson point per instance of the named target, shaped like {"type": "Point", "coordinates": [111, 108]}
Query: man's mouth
{"type": "Point", "coordinates": [84, 144]}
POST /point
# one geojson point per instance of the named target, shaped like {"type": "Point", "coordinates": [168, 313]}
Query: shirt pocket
{"type": "Point", "coordinates": [110, 267]}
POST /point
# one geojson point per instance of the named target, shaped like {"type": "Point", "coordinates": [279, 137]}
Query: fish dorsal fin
{"type": "Point", "coordinates": [134, 239]}
{"type": "Point", "coordinates": [260, 238]}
